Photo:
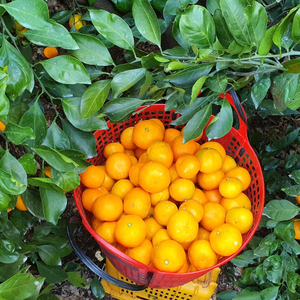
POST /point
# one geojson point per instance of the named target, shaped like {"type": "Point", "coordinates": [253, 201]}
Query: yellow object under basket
{"type": "Point", "coordinates": [201, 288]}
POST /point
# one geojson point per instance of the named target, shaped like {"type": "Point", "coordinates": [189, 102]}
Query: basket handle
{"type": "Point", "coordinates": [98, 271]}
{"type": "Point", "coordinates": [233, 99]}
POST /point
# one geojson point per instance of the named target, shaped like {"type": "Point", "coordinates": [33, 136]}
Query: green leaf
{"type": "Point", "coordinates": [56, 138]}
{"type": "Point", "coordinates": [55, 159]}
{"type": "Point", "coordinates": [285, 231]}
{"type": "Point", "coordinates": [197, 27]}
{"type": "Point", "coordinates": [35, 119]}
{"type": "Point", "coordinates": [281, 210]}
{"type": "Point", "coordinates": [267, 41]}
{"type": "Point", "coordinates": [295, 175]}
{"type": "Point", "coordinates": [257, 20]}
{"type": "Point", "coordinates": [188, 76]}
{"type": "Point", "coordinates": [20, 75]}
{"type": "Point", "coordinates": [33, 202]}
{"type": "Point", "coordinates": [244, 259]}
{"type": "Point", "coordinates": [91, 50]}
{"type": "Point", "coordinates": [177, 34]}
{"type": "Point", "coordinates": [196, 124]}
{"type": "Point", "coordinates": [296, 26]}
{"type": "Point", "coordinates": [20, 286]}
{"type": "Point", "coordinates": [284, 142]}
{"type": "Point", "coordinates": [222, 31]}
{"type": "Point", "coordinates": [223, 124]}
{"type": "Point", "coordinates": [97, 288]}
{"type": "Point", "coordinates": [71, 107]}
{"type": "Point", "coordinates": [217, 83]}
{"type": "Point", "coordinates": [31, 14]}
{"type": "Point", "coordinates": [292, 65]}
{"type": "Point", "coordinates": [125, 80]}
{"type": "Point", "coordinates": [197, 88]}
{"type": "Point", "coordinates": [66, 69]}
{"type": "Point", "coordinates": [54, 204]}
{"type": "Point", "coordinates": [49, 255]}
{"type": "Point", "coordinates": [94, 97]}
{"type": "Point", "coordinates": [4, 102]}
{"type": "Point", "coordinates": [292, 281]}
{"type": "Point", "coordinates": [75, 279]}
{"type": "Point", "coordinates": [78, 157]}
{"type": "Point", "coordinates": [273, 267]}
{"type": "Point", "coordinates": [85, 142]}
{"type": "Point", "coordinates": [62, 16]}
{"type": "Point", "coordinates": [226, 295]}
{"type": "Point", "coordinates": [121, 109]}
{"type": "Point", "coordinates": [67, 181]}
{"type": "Point", "coordinates": [18, 134]}
{"type": "Point", "coordinates": [113, 28]}
{"type": "Point", "coordinates": [52, 274]}
{"type": "Point", "coordinates": [29, 163]}
{"type": "Point", "coordinates": [259, 90]}
{"type": "Point", "coordinates": [56, 36]}
{"type": "Point", "coordinates": [4, 200]}
{"type": "Point", "coordinates": [146, 21]}
{"type": "Point", "coordinates": [233, 12]}
{"type": "Point", "coordinates": [248, 296]}
{"type": "Point", "coordinates": [213, 5]}
{"type": "Point", "coordinates": [292, 191]}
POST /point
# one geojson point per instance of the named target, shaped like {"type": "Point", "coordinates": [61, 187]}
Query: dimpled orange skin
{"type": "Point", "coordinates": [182, 189]}
{"type": "Point", "coordinates": [161, 152]}
{"type": "Point", "coordinates": [154, 177]}
{"type": "Point", "coordinates": [242, 175]}
{"type": "Point", "coordinates": [118, 165]}
{"type": "Point", "coordinates": [210, 160]}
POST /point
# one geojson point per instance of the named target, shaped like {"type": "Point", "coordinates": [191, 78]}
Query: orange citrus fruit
{"type": "Point", "coordinates": [203, 234]}
{"type": "Point", "coordinates": [242, 175]}
{"type": "Point", "coordinates": [47, 171]}
{"type": "Point", "coordinates": [170, 135]}
{"type": "Point", "coordinates": [95, 222]}
{"type": "Point", "coordinates": [201, 255]}
{"type": "Point", "coordinates": [228, 164]}
{"type": "Point", "coordinates": [121, 188]}
{"type": "Point", "coordinates": [160, 235]}
{"type": "Point", "coordinates": [143, 158]}
{"type": "Point", "coordinates": [210, 181]}
{"type": "Point", "coordinates": [154, 177]}
{"type": "Point", "coordinates": [194, 207]}
{"type": "Point", "coordinates": [89, 196]}
{"type": "Point", "coordinates": [241, 200]}
{"type": "Point", "coordinates": [168, 256]}
{"type": "Point", "coordinates": [138, 152]}
{"type": "Point", "coordinates": [179, 148]}
{"type": "Point", "coordinates": [215, 145]}
{"type": "Point", "coordinates": [152, 227]}
{"type": "Point", "coordinates": [137, 202]}
{"type": "Point", "coordinates": [50, 52]}
{"type": "Point", "coordinates": [146, 132]}
{"type": "Point", "coordinates": [161, 152]}
{"type": "Point", "coordinates": [182, 189]}
{"type": "Point", "coordinates": [210, 160]}
{"type": "Point", "coordinates": [130, 231]}
{"type": "Point", "coordinates": [298, 199]}
{"type": "Point", "coordinates": [108, 181]}
{"type": "Point", "coordinates": [187, 166]}
{"type": "Point", "coordinates": [126, 138]}
{"type": "Point", "coordinates": [200, 196]}
{"type": "Point", "coordinates": [112, 148]}
{"type": "Point", "coordinates": [108, 207]}
{"type": "Point", "coordinates": [213, 195]}
{"type": "Point", "coordinates": [107, 231]}
{"type": "Point", "coordinates": [20, 205]}
{"type": "Point", "coordinates": [214, 215]}
{"type": "Point", "coordinates": [230, 187]}
{"type": "Point", "coordinates": [241, 218]}
{"type": "Point", "coordinates": [226, 239]}
{"type": "Point", "coordinates": [163, 211]}
{"type": "Point", "coordinates": [297, 229]}
{"type": "Point", "coordinates": [117, 165]}
{"type": "Point", "coordinates": [92, 177]}
{"type": "Point", "coordinates": [161, 196]}
{"type": "Point", "coordinates": [160, 123]}
{"type": "Point", "coordinates": [76, 21]}
{"type": "Point", "coordinates": [141, 253]}
{"type": "Point", "coordinates": [134, 173]}
{"type": "Point", "coordinates": [182, 226]}
{"type": "Point", "coordinates": [173, 172]}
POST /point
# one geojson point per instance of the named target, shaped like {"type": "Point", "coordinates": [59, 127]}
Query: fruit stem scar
{"type": "Point", "coordinates": [129, 224]}
{"type": "Point", "coordinates": [166, 262]}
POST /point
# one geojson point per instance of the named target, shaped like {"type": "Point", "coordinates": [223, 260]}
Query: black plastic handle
{"type": "Point", "coordinates": [238, 105]}
{"type": "Point", "coordinates": [98, 271]}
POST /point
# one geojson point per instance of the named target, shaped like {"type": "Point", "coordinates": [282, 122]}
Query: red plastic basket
{"type": "Point", "coordinates": [236, 144]}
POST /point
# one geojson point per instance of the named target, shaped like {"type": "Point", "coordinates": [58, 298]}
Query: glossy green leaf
{"type": "Point", "coordinates": [197, 27]}
{"type": "Point", "coordinates": [177, 34]}
{"type": "Point", "coordinates": [55, 159]}
{"type": "Point", "coordinates": [292, 65]}
{"type": "Point", "coordinates": [226, 295]}
{"type": "Point", "coordinates": [54, 204]}
{"type": "Point", "coordinates": [20, 75]}
{"type": "Point", "coordinates": [213, 5]}
{"type": "Point", "coordinates": [18, 134]}
{"type": "Point", "coordinates": [172, 6]}
{"type": "Point", "coordinates": [31, 14]}
{"type": "Point", "coordinates": [97, 288]}
{"type": "Point", "coordinates": [4, 102]}
{"type": "Point", "coordinates": [244, 259]}
{"type": "Point", "coordinates": [44, 182]}
{"type": "Point", "coordinates": [257, 20]}
{"type": "Point", "coordinates": [56, 36]}
{"type": "Point", "coordinates": [197, 88]}
{"type": "Point", "coordinates": [20, 286]}
{"type": "Point", "coordinates": [281, 210]}
{"type": "Point", "coordinates": [91, 50]}
{"type": "Point", "coordinates": [222, 31]}
{"type": "Point", "coordinates": [75, 279]}
{"type": "Point", "coordinates": [292, 191]}
{"type": "Point", "coordinates": [217, 83]}
{"type": "Point", "coordinates": [125, 80]}
{"type": "Point", "coordinates": [113, 28]}
{"type": "Point", "coordinates": [39, 284]}
{"type": "Point", "coordinates": [286, 141]}
{"type": "Point", "coordinates": [66, 69]}
{"type": "Point", "coordinates": [67, 181]}
{"type": "Point", "coordinates": [259, 90]}
{"type": "Point", "coordinates": [285, 231]}
{"type": "Point", "coordinates": [94, 97]}
{"type": "Point", "coordinates": [4, 200]}
{"type": "Point", "coordinates": [248, 296]}
{"type": "Point", "coordinates": [146, 21]}
{"type": "Point", "coordinates": [267, 41]}
{"type": "Point", "coordinates": [34, 119]}
{"type": "Point", "coordinates": [78, 157]}
{"type": "Point", "coordinates": [33, 202]}
{"type": "Point", "coordinates": [296, 26]}
{"type": "Point", "coordinates": [188, 76]}
{"type": "Point", "coordinates": [56, 138]}
{"type": "Point", "coordinates": [223, 124]}
{"type": "Point", "coordinates": [82, 141]}
{"type": "Point", "coordinates": [71, 108]}
{"type": "Point", "coordinates": [196, 124]}
{"type": "Point", "coordinates": [233, 12]}
{"type": "Point", "coordinates": [147, 84]}
{"type": "Point", "coordinates": [29, 163]}
{"type": "Point", "coordinates": [62, 17]}
{"type": "Point", "coordinates": [49, 255]}
{"type": "Point", "coordinates": [295, 176]}
{"type": "Point", "coordinates": [121, 109]}
{"type": "Point", "coordinates": [8, 257]}
{"type": "Point", "coordinates": [52, 274]}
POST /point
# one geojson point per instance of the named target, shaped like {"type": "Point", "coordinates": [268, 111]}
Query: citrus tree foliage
{"type": "Point", "coordinates": [250, 46]}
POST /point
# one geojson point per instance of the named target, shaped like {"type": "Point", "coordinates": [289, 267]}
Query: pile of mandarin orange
{"type": "Point", "coordinates": [172, 206]}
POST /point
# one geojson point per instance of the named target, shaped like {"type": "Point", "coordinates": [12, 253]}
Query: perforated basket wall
{"type": "Point", "coordinates": [236, 145]}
